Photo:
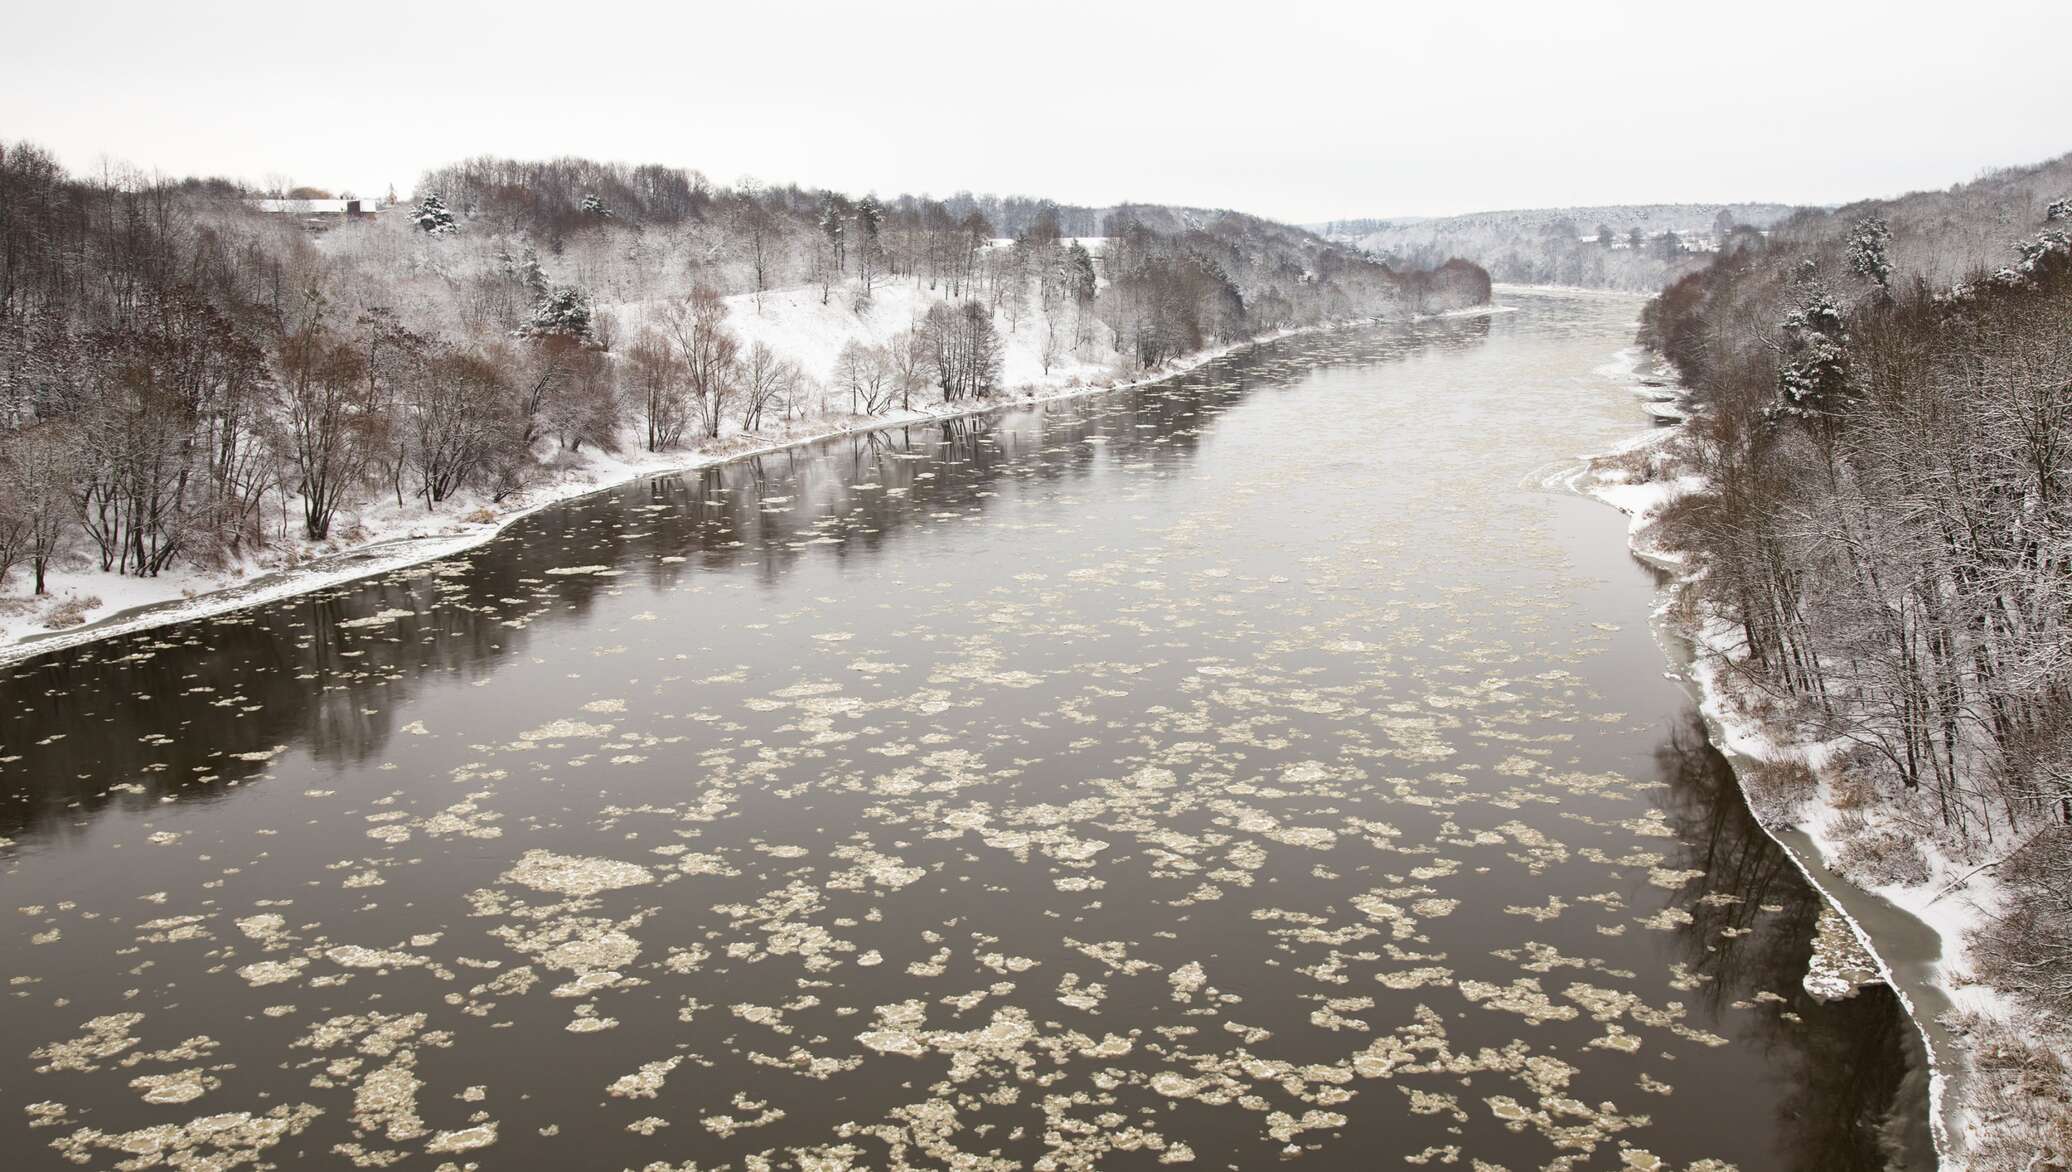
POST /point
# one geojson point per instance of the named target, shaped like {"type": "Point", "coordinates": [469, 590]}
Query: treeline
{"type": "Point", "coordinates": [185, 378]}
{"type": "Point", "coordinates": [637, 233]}
{"type": "Point", "coordinates": [1889, 523]}
{"type": "Point", "coordinates": [548, 199]}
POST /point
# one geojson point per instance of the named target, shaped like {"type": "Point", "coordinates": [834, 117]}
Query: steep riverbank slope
{"type": "Point", "coordinates": [1873, 504]}
{"type": "Point", "coordinates": [1998, 1082]}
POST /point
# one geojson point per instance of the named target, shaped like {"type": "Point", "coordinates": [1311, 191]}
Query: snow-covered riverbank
{"type": "Point", "coordinates": [1916, 933]}
{"type": "Point", "coordinates": [382, 535]}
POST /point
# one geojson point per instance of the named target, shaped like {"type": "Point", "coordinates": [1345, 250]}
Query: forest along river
{"type": "Point", "coordinates": [1259, 764]}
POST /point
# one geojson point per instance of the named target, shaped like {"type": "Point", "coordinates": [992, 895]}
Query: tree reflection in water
{"type": "Point", "coordinates": [1856, 1067]}
{"type": "Point", "coordinates": [297, 672]}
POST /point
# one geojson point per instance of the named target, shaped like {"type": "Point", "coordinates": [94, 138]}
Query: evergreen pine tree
{"type": "Point", "coordinates": [1868, 242]}
{"type": "Point", "coordinates": [434, 218]}
{"type": "Point", "coordinates": [1814, 379]}
{"type": "Point", "coordinates": [870, 221]}
{"type": "Point", "coordinates": [528, 270]}
{"type": "Point", "coordinates": [562, 311]}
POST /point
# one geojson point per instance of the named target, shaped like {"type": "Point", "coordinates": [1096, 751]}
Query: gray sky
{"type": "Point", "coordinates": [1299, 111]}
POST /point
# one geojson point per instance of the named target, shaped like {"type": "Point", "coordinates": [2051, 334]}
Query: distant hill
{"type": "Point", "coordinates": [1351, 230]}
{"type": "Point", "coordinates": [1637, 247]}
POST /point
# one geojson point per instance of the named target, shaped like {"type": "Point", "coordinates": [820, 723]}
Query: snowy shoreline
{"type": "Point", "coordinates": [1878, 916]}
{"type": "Point", "coordinates": [144, 603]}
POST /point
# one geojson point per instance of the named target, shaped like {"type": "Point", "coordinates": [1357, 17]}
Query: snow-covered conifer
{"type": "Point", "coordinates": [1868, 246]}
{"type": "Point", "coordinates": [1814, 378]}
{"type": "Point", "coordinates": [434, 218]}
{"type": "Point", "coordinates": [870, 222]}
{"type": "Point", "coordinates": [562, 311]}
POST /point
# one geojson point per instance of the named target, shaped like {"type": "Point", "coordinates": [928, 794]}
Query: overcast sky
{"type": "Point", "coordinates": [1299, 111]}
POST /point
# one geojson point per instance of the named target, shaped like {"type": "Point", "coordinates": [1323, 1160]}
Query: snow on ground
{"type": "Point", "coordinates": [380, 535]}
{"type": "Point", "coordinates": [374, 538]}
{"type": "Point", "coordinates": [1644, 500]}
{"type": "Point", "coordinates": [1638, 477]}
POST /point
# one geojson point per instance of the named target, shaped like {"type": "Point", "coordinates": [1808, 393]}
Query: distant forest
{"type": "Point", "coordinates": [1636, 248]}
{"type": "Point", "coordinates": [182, 369]}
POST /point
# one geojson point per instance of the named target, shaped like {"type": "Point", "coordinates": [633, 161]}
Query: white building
{"type": "Point", "coordinates": [342, 208]}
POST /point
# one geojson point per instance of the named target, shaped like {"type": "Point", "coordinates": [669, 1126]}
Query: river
{"type": "Point", "coordinates": [1260, 765]}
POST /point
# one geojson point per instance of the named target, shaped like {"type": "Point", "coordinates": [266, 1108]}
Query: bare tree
{"type": "Point", "coordinates": [909, 357]}
{"type": "Point", "coordinates": [37, 465]}
{"type": "Point", "coordinates": [869, 373]}
{"type": "Point", "coordinates": [655, 374]}
{"type": "Point", "coordinates": [757, 232]}
{"type": "Point", "coordinates": [330, 412]}
{"type": "Point", "coordinates": [765, 380]}
{"type": "Point", "coordinates": [708, 350]}
{"type": "Point", "coordinates": [457, 407]}
{"type": "Point", "coordinates": [587, 410]}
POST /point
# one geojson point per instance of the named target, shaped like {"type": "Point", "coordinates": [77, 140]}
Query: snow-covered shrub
{"type": "Point", "coordinates": [71, 612]}
{"type": "Point", "coordinates": [2022, 1082]}
{"type": "Point", "coordinates": [1776, 789]}
{"type": "Point", "coordinates": [1880, 854]}
{"type": "Point", "coordinates": [2029, 947]}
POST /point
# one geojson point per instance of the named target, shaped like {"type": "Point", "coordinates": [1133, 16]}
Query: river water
{"type": "Point", "coordinates": [1262, 765]}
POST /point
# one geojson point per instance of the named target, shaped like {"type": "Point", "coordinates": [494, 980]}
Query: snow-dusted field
{"type": "Point", "coordinates": [799, 328]}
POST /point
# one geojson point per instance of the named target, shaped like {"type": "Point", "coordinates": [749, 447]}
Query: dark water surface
{"type": "Point", "coordinates": [1259, 766]}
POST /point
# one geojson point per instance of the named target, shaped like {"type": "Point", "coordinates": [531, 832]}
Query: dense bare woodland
{"type": "Point", "coordinates": [189, 378]}
{"type": "Point", "coordinates": [1885, 430]}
